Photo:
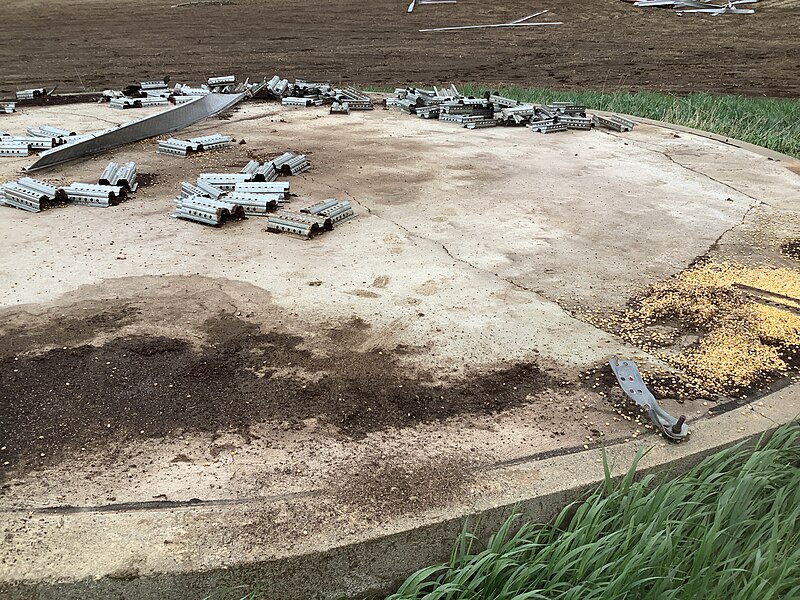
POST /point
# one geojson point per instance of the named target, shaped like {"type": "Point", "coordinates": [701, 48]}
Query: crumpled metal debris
{"type": "Point", "coordinates": [631, 382]}
{"type": "Point", "coordinates": [448, 104]}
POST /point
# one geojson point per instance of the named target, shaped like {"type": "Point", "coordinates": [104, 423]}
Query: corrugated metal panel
{"type": "Point", "coordinates": [172, 119]}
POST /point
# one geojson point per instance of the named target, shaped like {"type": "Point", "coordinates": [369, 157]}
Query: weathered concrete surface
{"type": "Point", "coordinates": [322, 565]}
{"type": "Point", "coordinates": [471, 248]}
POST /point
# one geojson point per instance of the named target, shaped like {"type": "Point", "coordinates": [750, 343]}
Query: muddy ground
{"type": "Point", "coordinates": [602, 45]}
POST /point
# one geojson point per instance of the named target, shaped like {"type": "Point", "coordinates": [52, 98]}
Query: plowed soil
{"type": "Point", "coordinates": [602, 44]}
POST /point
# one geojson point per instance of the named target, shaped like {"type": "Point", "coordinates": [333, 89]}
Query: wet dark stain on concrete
{"type": "Point", "coordinates": [70, 400]}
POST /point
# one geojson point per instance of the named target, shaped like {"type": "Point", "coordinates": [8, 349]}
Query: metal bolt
{"type": "Point", "coordinates": [676, 429]}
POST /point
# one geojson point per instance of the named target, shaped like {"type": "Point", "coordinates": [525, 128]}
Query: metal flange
{"type": "Point", "coordinates": [631, 382]}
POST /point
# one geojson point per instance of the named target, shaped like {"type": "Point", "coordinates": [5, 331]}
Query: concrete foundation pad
{"type": "Point", "coordinates": [472, 253]}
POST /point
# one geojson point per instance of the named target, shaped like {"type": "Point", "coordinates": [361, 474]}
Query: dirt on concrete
{"type": "Point", "coordinates": [602, 45]}
{"type": "Point", "coordinates": [379, 485]}
{"type": "Point", "coordinates": [77, 396]}
{"type": "Point", "coordinates": [791, 249]}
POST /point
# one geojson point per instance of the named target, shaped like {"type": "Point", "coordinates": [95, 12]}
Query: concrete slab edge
{"type": "Point", "coordinates": [363, 567]}
{"type": "Point", "coordinates": [791, 161]}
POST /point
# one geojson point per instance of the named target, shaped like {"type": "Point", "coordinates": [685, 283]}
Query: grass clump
{"type": "Point", "coordinates": [773, 123]}
{"type": "Point", "coordinates": [728, 529]}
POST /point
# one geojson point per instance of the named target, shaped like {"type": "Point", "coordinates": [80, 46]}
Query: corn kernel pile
{"type": "Point", "coordinates": [725, 327]}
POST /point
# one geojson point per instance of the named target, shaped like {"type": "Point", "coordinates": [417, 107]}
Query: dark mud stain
{"type": "Point", "coordinates": [64, 327]}
{"type": "Point", "coordinates": [147, 179]}
{"type": "Point", "coordinates": [64, 400]}
{"type": "Point", "coordinates": [791, 249]}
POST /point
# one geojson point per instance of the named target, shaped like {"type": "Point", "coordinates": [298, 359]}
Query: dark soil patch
{"type": "Point", "coordinates": [394, 485]}
{"type": "Point", "coordinates": [147, 179]}
{"type": "Point", "coordinates": [791, 249]}
{"type": "Point", "coordinates": [69, 326]}
{"type": "Point", "coordinates": [65, 400]}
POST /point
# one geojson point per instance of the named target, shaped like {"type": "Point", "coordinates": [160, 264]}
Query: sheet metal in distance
{"type": "Point", "coordinates": [173, 119]}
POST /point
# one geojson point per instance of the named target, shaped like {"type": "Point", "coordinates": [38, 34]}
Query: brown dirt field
{"type": "Point", "coordinates": [603, 44]}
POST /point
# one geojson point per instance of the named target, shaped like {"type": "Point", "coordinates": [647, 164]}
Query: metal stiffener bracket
{"type": "Point", "coordinates": [631, 382]}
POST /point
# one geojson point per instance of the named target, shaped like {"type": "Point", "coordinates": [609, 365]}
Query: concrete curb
{"type": "Point", "coordinates": [383, 557]}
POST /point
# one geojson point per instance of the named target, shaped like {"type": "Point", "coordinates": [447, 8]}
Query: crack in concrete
{"type": "Point", "coordinates": [707, 176]}
{"type": "Point", "coordinates": [715, 244]}
{"type": "Point", "coordinates": [427, 239]}
{"type": "Point", "coordinates": [667, 155]}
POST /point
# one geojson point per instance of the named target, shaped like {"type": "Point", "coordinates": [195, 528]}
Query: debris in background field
{"type": "Point", "coordinates": [448, 104]}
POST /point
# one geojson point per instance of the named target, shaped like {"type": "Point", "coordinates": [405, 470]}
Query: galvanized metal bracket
{"type": "Point", "coordinates": [631, 382]}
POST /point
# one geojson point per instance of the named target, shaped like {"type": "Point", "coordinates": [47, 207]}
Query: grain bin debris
{"type": "Point", "coordinates": [216, 198]}
{"type": "Point", "coordinates": [491, 110]}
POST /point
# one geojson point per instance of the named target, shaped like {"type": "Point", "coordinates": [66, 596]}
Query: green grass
{"type": "Point", "coordinates": [773, 123]}
{"type": "Point", "coordinates": [728, 529]}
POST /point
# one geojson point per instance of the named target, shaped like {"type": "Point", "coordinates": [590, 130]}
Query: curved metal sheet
{"type": "Point", "coordinates": [173, 119]}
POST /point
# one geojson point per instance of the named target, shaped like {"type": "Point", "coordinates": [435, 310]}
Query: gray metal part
{"type": "Point", "coordinates": [502, 100]}
{"type": "Point", "coordinates": [482, 124]}
{"type": "Point", "coordinates": [321, 221]}
{"type": "Point", "coordinates": [263, 187]}
{"type": "Point", "coordinates": [614, 122]}
{"type": "Point", "coordinates": [48, 131]}
{"type": "Point", "coordinates": [279, 222]}
{"type": "Point", "coordinates": [268, 172]}
{"type": "Point", "coordinates": [189, 189]}
{"type": "Point", "coordinates": [294, 101]}
{"type": "Point", "coordinates": [282, 159]}
{"type": "Point", "coordinates": [341, 212]}
{"type": "Point", "coordinates": [94, 194]}
{"type": "Point", "coordinates": [209, 141]}
{"type": "Point", "coordinates": [39, 187]}
{"type": "Point", "coordinates": [318, 208]}
{"type": "Point", "coordinates": [255, 204]}
{"type": "Point", "coordinates": [172, 119]}
{"type": "Point", "coordinates": [13, 194]}
{"type": "Point", "coordinates": [199, 213]}
{"type": "Point", "coordinates": [547, 126]}
{"type": "Point", "coordinates": [14, 149]}
{"type": "Point", "coordinates": [36, 143]}
{"type": "Point", "coordinates": [176, 147]}
{"type": "Point", "coordinates": [631, 382]}
{"type": "Point", "coordinates": [209, 189]}
{"type": "Point", "coordinates": [224, 181]}
{"type": "Point", "coordinates": [119, 175]}
{"type": "Point", "coordinates": [296, 165]}
{"type": "Point", "coordinates": [226, 79]}
{"type": "Point", "coordinates": [251, 168]}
